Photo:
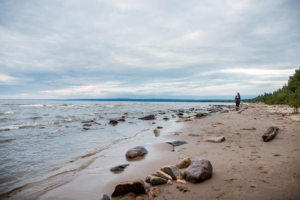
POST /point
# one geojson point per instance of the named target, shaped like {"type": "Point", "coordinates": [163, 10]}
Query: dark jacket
{"type": "Point", "coordinates": [237, 99]}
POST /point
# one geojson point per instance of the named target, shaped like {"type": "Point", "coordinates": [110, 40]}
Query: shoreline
{"type": "Point", "coordinates": [244, 166]}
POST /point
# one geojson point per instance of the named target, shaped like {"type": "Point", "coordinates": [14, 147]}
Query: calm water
{"type": "Point", "coordinates": [40, 138]}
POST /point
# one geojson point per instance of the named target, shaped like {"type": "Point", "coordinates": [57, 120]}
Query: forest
{"type": "Point", "coordinates": [288, 94]}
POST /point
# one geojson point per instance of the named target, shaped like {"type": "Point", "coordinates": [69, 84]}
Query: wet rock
{"type": "Point", "coordinates": [184, 120]}
{"type": "Point", "coordinates": [159, 127]}
{"type": "Point", "coordinates": [163, 175]}
{"type": "Point", "coordinates": [199, 115]}
{"type": "Point", "coordinates": [139, 198]}
{"type": "Point", "coordinates": [104, 197]}
{"type": "Point", "coordinates": [137, 186]}
{"type": "Point", "coordinates": [173, 171]}
{"type": "Point", "coordinates": [165, 118]}
{"type": "Point", "coordinates": [149, 117]}
{"type": "Point", "coordinates": [155, 180]}
{"type": "Point", "coordinates": [192, 109]}
{"type": "Point", "coordinates": [156, 131]}
{"type": "Point", "coordinates": [162, 113]}
{"type": "Point", "coordinates": [153, 192]}
{"type": "Point", "coordinates": [121, 120]}
{"type": "Point", "coordinates": [113, 122]}
{"type": "Point", "coordinates": [195, 135]}
{"type": "Point", "coordinates": [184, 163]}
{"type": "Point", "coordinates": [177, 143]}
{"type": "Point", "coordinates": [179, 113]}
{"type": "Point", "coordinates": [136, 151]}
{"type": "Point", "coordinates": [87, 125]}
{"type": "Point", "coordinates": [215, 139]}
{"type": "Point", "coordinates": [173, 116]}
{"type": "Point", "coordinates": [123, 116]}
{"type": "Point", "coordinates": [88, 121]}
{"type": "Point", "coordinates": [119, 168]}
{"type": "Point", "coordinates": [199, 170]}
{"type": "Point", "coordinates": [129, 196]}
{"type": "Point", "coordinates": [125, 113]}
{"type": "Point", "coordinates": [153, 123]}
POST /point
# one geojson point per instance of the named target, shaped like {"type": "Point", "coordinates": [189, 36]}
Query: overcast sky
{"type": "Point", "coordinates": [147, 48]}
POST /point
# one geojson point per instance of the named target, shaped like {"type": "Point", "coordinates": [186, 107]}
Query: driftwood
{"type": "Point", "coordinates": [270, 133]}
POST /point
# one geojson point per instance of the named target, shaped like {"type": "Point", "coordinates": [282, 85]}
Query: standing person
{"type": "Point", "coordinates": [237, 100]}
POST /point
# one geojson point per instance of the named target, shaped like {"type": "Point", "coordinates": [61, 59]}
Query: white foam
{"type": "Point", "coordinates": [32, 105]}
{"type": "Point", "coordinates": [7, 113]}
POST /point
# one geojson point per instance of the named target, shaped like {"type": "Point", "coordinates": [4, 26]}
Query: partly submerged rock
{"type": "Point", "coordinates": [199, 115]}
{"type": "Point", "coordinates": [119, 168]}
{"type": "Point", "coordinates": [177, 143]}
{"type": "Point", "coordinates": [156, 131]}
{"type": "Point", "coordinates": [155, 180]}
{"type": "Point", "coordinates": [137, 186]}
{"type": "Point", "coordinates": [184, 163]}
{"type": "Point", "coordinates": [104, 197]}
{"type": "Point", "coordinates": [149, 117]}
{"type": "Point", "coordinates": [172, 171]}
{"type": "Point", "coordinates": [215, 139]}
{"type": "Point", "coordinates": [136, 151]}
{"type": "Point", "coordinates": [199, 170]}
{"type": "Point", "coordinates": [113, 122]}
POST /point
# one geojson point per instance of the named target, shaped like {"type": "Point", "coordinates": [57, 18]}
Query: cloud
{"type": "Point", "coordinates": [65, 46]}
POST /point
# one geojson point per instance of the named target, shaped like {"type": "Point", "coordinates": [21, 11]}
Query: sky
{"type": "Point", "coordinates": [170, 49]}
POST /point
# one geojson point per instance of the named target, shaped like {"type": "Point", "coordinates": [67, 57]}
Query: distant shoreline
{"type": "Point", "coordinates": [134, 100]}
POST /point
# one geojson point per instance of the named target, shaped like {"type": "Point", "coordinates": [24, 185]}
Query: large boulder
{"type": "Point", "coordinates": [136, 151]}
{"type": "Point", "coordinates": [149, 117]}
{"type": "Point", "coordinates": [184, 163]}
{"type": "Point", "coordinates": [173, 171]}
{"type": "Point", "coordinates": [200, 170]}
{"type": "Point", "coordinates": [137, 186]}
{"type": "Point", "coordinates": [155, 180]}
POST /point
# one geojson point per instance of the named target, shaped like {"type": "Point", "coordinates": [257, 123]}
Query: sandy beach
{"type": "Point", "coordinates": [244, 166]}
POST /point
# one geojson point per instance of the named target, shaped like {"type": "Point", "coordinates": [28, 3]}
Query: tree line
{"type": "Point", "coordinates": [289, 94]}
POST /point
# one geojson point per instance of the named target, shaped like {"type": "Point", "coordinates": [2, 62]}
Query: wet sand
{"type": "Point", "coordinates": [244, 167]}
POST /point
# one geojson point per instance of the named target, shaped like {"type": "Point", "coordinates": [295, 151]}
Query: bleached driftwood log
{"type": "Point", "coordinates": [270, 133]}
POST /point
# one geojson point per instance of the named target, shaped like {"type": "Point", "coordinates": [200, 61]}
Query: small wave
{"type": "Point", "coordinates": [110, 106]}
{"type": "Point", "coordinates": [32, 105]}
{"type": "Point", "coordinates": [7, 113]}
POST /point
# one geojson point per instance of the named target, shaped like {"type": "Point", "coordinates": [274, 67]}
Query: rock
{"type": "Point", "coordinates": [139, 198]}
{"type": "Point", "coordinates": [89, 121]}
{"type": "Point", "coordinates": [184, 120]}
{"type": "Point", "coordinates": [166, 118]}
{"type": "Point", "coordinates": [173, 116]}
{"type": "Point", "coordinates": [149, 117]}
{"type": "Point", "coordinates": [137, 186]}
{"type": "Point", "coordinates": [215, 139]}
{"type": "Point", "coordinates": [155, 180]}
{"type": "Point", "coordinates": [162, 113]}
{"type": "Point", "coordinates": [179, 113]}
{"type": "Point", "coordinates": [113, 122]}
{"type": "Point", "coordinates": [153, 192]}
{"type": "Point", "coordinates": [153, 123]}
{"type": "Point", "coordinates": [136, 151]}
{"type": "Point", "coordinates": [195, 135]}
{"type": "Point", "coordinates": [173, 171]}
{"type": "Point", "coordinates": [163, 175]}
{"type": "Point", "coordinates": [177, 143]}
{"type": "Point", "coordinates": [125, 113]}
{"type": "Point", "coordinates": [199, 170]}
{"type": "Point", "coordinates": [159, 127]}
{"type": "Point", "coordinates": [184, 163]}
{"type": "Point", "coordinates": [121, 120]}
{"type": "Point", "coordinates": [119, 168]}
{"type": "Point", "coordinates": [123, 116]}
{"type": "Point", "coordinates": [87, 125]}
{"type": "Point", "coordinates": [129, 196]}
{"type": "Point", "coordinates": [224, 111]}
{"type": "Point", "coordinates": [156, 131]}
{"type": "Point", "coordinates": [169, 182]}
{"type": "Point", "coordinates": [104, 197]}
{"type": "Point", "coordinates": [199, 115]}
